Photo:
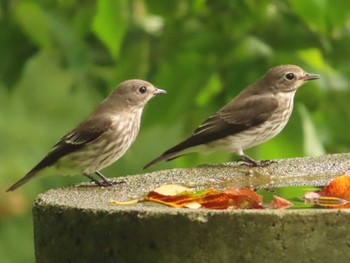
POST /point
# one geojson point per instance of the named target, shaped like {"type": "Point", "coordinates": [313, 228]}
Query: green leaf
{"type": "Point", "coordinates": [314, 57]}
{"type": "Point", "coordinates": [34, 22]}
{"type": "Point", "coordinates": [312, 12]}
{"type": "Point", "coordinates": [211, 89]}
{"type": "Point", "coordinates": [312, 144]}
{"type": "Point", "coordinates": [330, 78]}
{"type": "Point", "coordinates": [110, 24]}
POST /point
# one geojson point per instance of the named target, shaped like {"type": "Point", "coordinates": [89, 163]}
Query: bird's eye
{"type": "Point", "coordinates": [290, 76]}
{"type": "Point", "coordinates": [142, 89]}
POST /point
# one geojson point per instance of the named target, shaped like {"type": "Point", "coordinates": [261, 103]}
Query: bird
{"type": "Point", "coordinates": [256, 115]}
{"type": "Point", "coordinates": [101, 139]}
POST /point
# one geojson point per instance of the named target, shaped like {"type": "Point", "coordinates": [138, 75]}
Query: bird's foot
{"type": "Point", "coordinates": [248, 161]}
{"type": "Point", "coordinates": [103, 183]}
{"type": "Point", "coordinates": [108, 183]}
{"type": "Point", "coordinates": [105, 180]}
{"type": "Point", "coordinates": [262, 163]}
{"type": "Point", "coordinates": [252, 163]}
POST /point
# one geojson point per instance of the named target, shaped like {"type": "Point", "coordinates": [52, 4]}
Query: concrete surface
{"type": "Point", "coordinates": [78, 224]}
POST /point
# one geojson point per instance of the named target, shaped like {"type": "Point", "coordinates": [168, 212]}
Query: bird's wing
{"type": "Point", "coordinates": [86, 132]}
{"type": "Point", "coordinates": [251, 111]}
{"type": "Point", "coordinates": [235, 117]}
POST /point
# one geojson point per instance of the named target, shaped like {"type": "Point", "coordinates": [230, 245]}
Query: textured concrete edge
{"type": "Point", "coordinates": [78, 224]}
{"type": "Point", "coordinates": [161, 210]}
{"type": "Point", "coordinates": [290, 172]}
{"type": "Point", "coordinates": [67, 234]}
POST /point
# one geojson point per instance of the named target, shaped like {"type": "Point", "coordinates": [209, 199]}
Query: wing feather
{"type": "Point", "coordinates": [86, 132]}
{"type": "Point", "coordinates": [235, 117]}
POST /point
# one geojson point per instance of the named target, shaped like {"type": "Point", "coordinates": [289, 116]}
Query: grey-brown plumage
{"type": "Point", "coordinates": [254, 116]}
{"type": "Point", "coordinates": [102, 138]}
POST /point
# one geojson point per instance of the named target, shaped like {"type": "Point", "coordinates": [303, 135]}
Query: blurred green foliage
{"type": "Point", "coordinates": [59, 59]}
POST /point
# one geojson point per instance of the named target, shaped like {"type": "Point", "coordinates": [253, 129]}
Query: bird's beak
{"type": "Point", "coordinates": [159, 91]}
{"type": "Point", "coordinates": [310, 76]}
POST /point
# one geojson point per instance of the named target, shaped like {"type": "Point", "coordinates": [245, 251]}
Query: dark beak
{"type": "Point", "coordinates": [310, 76]}
{"type": "Point", "coordinates": [159, 91]}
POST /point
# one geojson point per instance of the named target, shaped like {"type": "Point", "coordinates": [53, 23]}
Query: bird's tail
{"type": "Point", "coordinates": [173, 153]}
{"type": "Point", "coordinates": [164, 157]}
{"type": "Point", "coordinates": [191, 144]}
{"type": "Point", "coordinates": [22, 181]}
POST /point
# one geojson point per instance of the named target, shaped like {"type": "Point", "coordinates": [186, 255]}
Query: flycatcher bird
{"type": "Point", "coordinates": [254, 116]}
{"type": "Point", "coordinates": [102, 138]}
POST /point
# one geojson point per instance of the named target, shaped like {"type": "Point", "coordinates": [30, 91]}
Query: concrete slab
{"type": "Point", "coordinates": [78, 224]}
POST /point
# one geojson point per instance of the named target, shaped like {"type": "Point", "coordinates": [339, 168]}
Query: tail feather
{"type": "Point", "coordinates": [184, 147]}
{"type": "Point", "coordinates": [171, 154]}
{"type": "Point", "coordinates": [163, 157]}
{"type": "Point", "coordinates": [22, 181]}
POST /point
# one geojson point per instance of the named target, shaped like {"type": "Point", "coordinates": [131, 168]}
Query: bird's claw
{"type": "Point", "coordinates": [104, 183]}
{"type": "Point", "coordinates": [109, 183]}
{"type": "Point", "coordinates": [262, 163]}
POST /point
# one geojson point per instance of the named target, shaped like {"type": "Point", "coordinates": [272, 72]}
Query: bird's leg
{"type": "Point", "coordinates": [248, 160]}
{"type": "Point", "coordinates": [106, 182]}
{"type": "Point", "coordinates": [92, 179]}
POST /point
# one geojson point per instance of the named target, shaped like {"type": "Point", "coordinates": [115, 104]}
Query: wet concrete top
{"type": "Point", "coordinates": [313, 171]}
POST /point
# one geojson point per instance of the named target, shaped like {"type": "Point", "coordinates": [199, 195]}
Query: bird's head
{"type": "Point", "coordinates": [287, 78]}
{"type": "Point", "coordinates": [135, 92]}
